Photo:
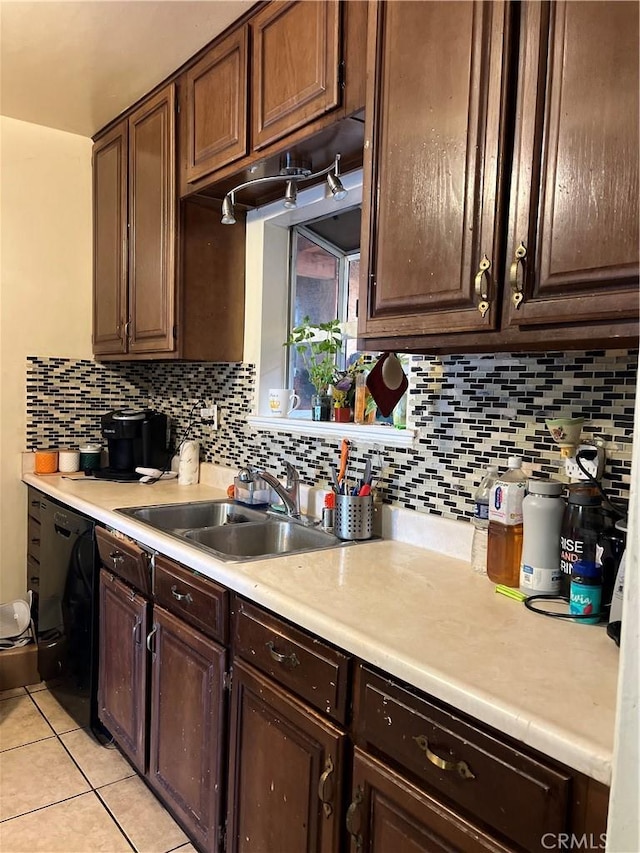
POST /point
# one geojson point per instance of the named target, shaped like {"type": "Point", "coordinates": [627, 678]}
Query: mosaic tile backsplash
{"type": "Point", "coordinates": [469, 411]}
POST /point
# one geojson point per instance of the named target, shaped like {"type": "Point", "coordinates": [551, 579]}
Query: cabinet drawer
{"type": "Point", "coordinates": [512, 792]}
{"type": "Point", "coordinates": [200, 602]}
{"type": "Point", "coordinates": [33, 539]}
{"type": "Point", "coordinates": [310, 668]}
{"type": "Point", "coordinates": [125, 559]}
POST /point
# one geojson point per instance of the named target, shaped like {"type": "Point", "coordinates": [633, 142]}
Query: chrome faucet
{"type": "Point", "coordinates": [289, 494]}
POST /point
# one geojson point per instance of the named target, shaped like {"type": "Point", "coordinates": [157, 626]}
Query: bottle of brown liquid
{"type": "Point", "coordinates": [504, 546]}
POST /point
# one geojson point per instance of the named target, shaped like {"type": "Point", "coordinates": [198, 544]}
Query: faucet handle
{"type": "Point", "coordinates": [292, 474]}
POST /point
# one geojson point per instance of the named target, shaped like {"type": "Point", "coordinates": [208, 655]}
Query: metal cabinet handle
{"type": "Point", "coordinates": [186, 597]}
{"type": "Point", "coordinates": [354, 818]}
{"type": "Point", "coordinates": [150, 637]}
{"type": "Point", "coordinates": [517, 284]}
{"type": "Point", "coordinates": [461, 767]}
{"type": "Point", "coordinates": [136, 633]}
{"type": "Point", "coordinates": [325, 788]}
{"type": "Point", "coordinates": [116, 556]}
{"type": "Point", "coordinates": [482, 285]}
{"type": "Point", "coordinates": [286, 660]}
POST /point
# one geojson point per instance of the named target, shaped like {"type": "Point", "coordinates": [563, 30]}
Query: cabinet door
{"type": "Point", "coordinates": [122, 678]}
{"type": "Point", "coordinates": [187, 725]}
{"type": "Point", "coordinates": [152, 202]}
{"type": "Point", "coordinates": [389, 813]}
{"type": "Point", "coordinates": [110, 242]}
{"type": "Point", "coordinates": [432, 149]}
{"type": "Point", "coordinates": [285, 771]}
{"type": "Point", "coordinates": [215, 99]}
{"type": "Point", "coordinates": [295, 56]}
{"type": "Point", "coordinates": [574, 205]}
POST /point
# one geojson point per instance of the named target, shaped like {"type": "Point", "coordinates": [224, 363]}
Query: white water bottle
{"type": "Point", "coordinates": [481, 521]}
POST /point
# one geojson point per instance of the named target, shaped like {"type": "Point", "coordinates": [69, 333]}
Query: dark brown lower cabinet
{"type": "Point", "coordinates": [388, 813]}
{"type": "Point", "coordinates": [187, 725]}
{"type": "Point", "coordinates": [286, 767]}
{"type": "Point", "coordinates": [123, 667]}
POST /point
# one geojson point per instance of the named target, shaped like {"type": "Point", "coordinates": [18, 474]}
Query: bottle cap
{"type": "Point", "coordinates": [582, 499]}
{"type": "Point", "coordinates": [544, 487]}
{"type": "Point", "coordinates": [514, 462]}
{"type": "Point", "coordinates": [587, 569]}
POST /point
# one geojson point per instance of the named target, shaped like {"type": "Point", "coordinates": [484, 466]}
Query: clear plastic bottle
{"type": "Point", "coordinates": [504, 546]}
{"type": "Point", "coordinates": [481, 520]}
{"type": "Point", "coordinates": [542, 515]}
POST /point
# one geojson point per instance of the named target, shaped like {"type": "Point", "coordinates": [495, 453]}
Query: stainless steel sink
{"type": "Point", "coordinates": [263, 539]}
{"type": "Point", "coordinates": [232, 531]}
{"type": "Point", "coordinates": [171, 518]}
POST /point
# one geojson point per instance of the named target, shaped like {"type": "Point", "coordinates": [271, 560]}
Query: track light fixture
{"type": "Point", "coordinates": [228, 217]}
{"type": "Point", "coordinates": [291, 195]}
{"type": "Point", "coordinates": [292, 172]}
{"type": "Point", "coordinates": [335, 185]}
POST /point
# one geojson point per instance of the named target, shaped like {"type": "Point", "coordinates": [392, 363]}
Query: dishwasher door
{"type": "Point", "coordinates": [65, 613]}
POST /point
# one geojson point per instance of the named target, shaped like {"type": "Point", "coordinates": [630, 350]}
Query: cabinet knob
{"type": "Point", "coordinates": [325, 788]}
{"type": "Point", "coordinates": [516, 282]}
{"type": "Point", "coordinates": [186, 597]}
{"type": "Point", "coordinates": [482, 285]}
{"type": "Point", "coordinates": [286, 660]}
{"type": "Point", "coordinates": [461, 767]}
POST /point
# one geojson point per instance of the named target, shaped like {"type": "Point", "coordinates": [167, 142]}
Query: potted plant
{"type": "Point", "coordinates": [318, 344]}
{"type": "Point", "coordinates": [344, 389]}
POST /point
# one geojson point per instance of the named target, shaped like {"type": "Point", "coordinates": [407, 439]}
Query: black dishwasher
{"type": "Point", "coordinates": [64, 610]}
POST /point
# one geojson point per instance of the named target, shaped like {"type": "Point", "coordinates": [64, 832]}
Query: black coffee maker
{"type": "Point", "coordinates": [136, 438]}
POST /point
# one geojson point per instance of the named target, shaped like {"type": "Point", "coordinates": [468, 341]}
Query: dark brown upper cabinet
{"type": "Point", "coordinates": [501, 176]}
{"type": "Point", "coordinates": [110, 280]}
{"type": "Point", "coordinates": [573, 230]}
{"type": "Point", "coordinates": [432, 150]}
{"type": "Point", "coordinates": [152, 176]}
{"type": "Point", "coordinates": [168, 276]}
{"type": "Point", "coordinates": [289, 78]}
{"type": "Point", "coordinates": [215, 99]}
{"type": "Point", "coordinates": [295, 55]}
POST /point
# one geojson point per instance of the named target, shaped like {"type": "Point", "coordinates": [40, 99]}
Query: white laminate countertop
{"type": "Point", "coordinates": [421, 616]}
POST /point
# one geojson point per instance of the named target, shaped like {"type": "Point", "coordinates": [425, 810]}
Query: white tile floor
{"type": "Point", "coordinates": [62, 792]}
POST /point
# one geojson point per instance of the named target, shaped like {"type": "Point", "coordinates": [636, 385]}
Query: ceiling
{"type": "Point", "coordinates": [76, 65]}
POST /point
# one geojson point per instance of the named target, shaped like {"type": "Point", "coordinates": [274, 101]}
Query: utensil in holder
{"type": "Point", "coordinates": [354, 517]}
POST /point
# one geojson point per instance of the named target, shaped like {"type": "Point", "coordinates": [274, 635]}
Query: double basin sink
{"type": "Point", "coordinates": [232, 531]}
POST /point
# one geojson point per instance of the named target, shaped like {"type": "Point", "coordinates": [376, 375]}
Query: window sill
{"type": "Point", "coordinates": [388, 436]}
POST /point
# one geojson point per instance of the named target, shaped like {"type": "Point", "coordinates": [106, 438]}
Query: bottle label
{"type": "Point", "coordinates": [505, 505]}
{"type": "Point", "coordinates": [534, 580]}
{"type": "Point", "coordinates": [571, 552]}
{"type": "Point", "coordinates": [584, 600]}
{"type": "Point", "coordinates": [481, 511]}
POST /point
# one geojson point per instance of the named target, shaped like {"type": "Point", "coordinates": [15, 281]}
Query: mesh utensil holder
{"type": "Point", "coordinates": [354, 517]}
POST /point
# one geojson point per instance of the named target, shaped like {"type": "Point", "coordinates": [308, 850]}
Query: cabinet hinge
{"type": "Point", "coordinates": [341, 74]}
{"type": "Point", "coordinates": [222, 836]}
{"type": "Point", "coordinates": [227, 678]}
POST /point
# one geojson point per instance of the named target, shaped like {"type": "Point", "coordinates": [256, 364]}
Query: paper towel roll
{"type": "Point", "coordinates": [189, 465]}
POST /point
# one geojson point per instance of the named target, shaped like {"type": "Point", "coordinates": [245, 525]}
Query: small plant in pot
{"type": "Point", "coordinates": [344, 389]}
{"type": "Point", "coordinates": [318, 344]}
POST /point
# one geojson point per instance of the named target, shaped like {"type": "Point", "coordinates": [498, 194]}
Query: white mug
{"type": "Point", "coordinates": [282, 401]}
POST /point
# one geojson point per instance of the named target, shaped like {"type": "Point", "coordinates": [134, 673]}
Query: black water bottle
{"type": "Point", "coordinates": [581, 526]}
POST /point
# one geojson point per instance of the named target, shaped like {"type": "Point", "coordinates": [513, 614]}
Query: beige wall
{"type": "Point", "coordinates": [45, 294]}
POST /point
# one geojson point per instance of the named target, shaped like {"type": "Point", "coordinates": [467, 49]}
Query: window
{"type": "Point", "coordinates": [268, 307]}
{"type": "Point", "coordinates": [325, 267]}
